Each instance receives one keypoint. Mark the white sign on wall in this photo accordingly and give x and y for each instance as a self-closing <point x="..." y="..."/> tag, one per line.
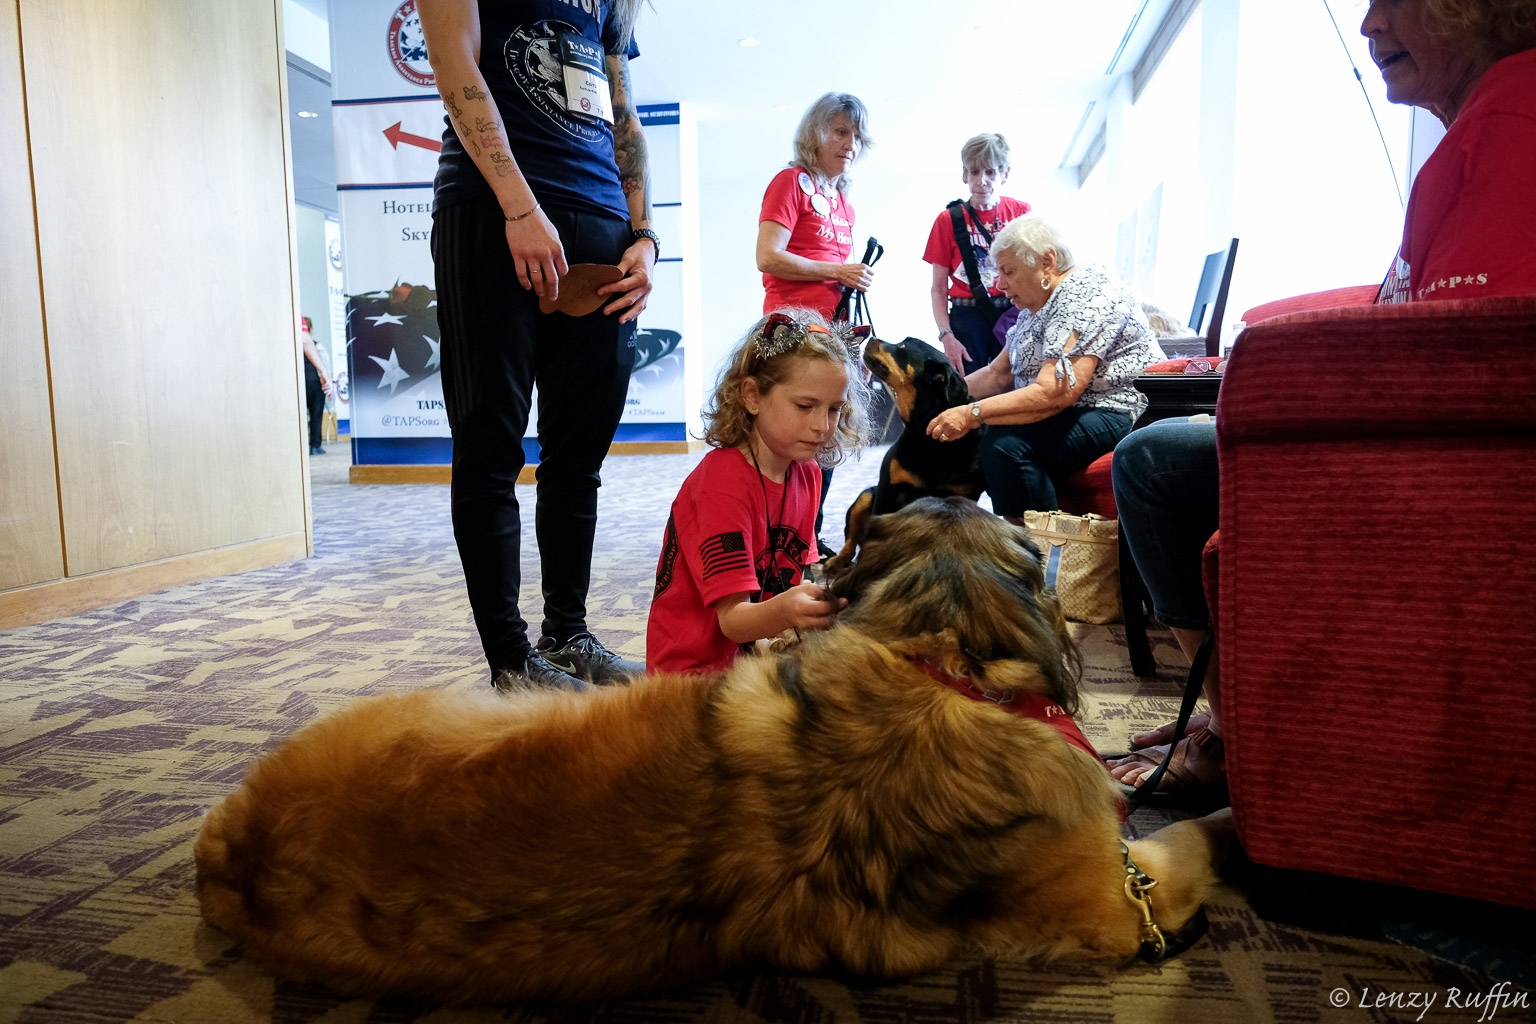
<point x="336" y="293"/>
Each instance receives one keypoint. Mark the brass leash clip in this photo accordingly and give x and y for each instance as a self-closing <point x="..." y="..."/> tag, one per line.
<point x="1151" y="934"/>
<point x="1154" y="946"/>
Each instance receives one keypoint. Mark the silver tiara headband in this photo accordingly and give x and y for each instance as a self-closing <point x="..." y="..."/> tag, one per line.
<point x="784" y="332"/>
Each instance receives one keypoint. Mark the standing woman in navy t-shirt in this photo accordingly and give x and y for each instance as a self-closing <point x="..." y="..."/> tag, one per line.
<point x="543" y="166"/>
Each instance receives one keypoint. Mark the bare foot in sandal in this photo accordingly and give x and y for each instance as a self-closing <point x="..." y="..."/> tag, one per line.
<point x="1198" y="763"/>
<point x="1164" y="733"/>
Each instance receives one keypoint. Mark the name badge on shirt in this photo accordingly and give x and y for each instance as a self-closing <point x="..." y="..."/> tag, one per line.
<point x="586" y="80"/>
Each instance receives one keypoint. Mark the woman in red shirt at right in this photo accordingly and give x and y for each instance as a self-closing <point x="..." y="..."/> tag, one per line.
<point x="1469" y="232"/>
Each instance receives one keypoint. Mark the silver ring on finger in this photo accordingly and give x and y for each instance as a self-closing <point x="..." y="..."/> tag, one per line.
<point x="943" y="437"/>
<point x="535" y="270"/>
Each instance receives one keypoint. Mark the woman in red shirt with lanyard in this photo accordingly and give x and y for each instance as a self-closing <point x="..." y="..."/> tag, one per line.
<point x="805" y="231"/>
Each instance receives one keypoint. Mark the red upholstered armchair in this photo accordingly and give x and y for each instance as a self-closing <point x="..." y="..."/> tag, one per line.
<point x="1375" y="593"/>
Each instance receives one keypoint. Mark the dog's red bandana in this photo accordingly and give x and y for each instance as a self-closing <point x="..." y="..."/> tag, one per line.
<point x="1028" y="705"/>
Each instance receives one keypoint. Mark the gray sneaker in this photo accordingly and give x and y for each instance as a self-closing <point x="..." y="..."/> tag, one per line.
<point x="582" y="656"/>
<point x="537" y="673"/>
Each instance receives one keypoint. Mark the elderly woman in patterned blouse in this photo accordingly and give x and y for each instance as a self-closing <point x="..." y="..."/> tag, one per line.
<point x="1060" y="395"/>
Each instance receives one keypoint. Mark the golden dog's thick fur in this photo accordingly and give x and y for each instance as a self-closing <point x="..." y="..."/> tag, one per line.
<point x="831" y="807"/>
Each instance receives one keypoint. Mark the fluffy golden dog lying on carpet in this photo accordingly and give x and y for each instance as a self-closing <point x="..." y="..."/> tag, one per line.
<point x="835" y="806"/>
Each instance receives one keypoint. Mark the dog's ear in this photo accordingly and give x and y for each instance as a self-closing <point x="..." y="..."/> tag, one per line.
<point x="937" y="375"/>
<point x="1031" y="573"/>
<point x="1028" y="544"/>
<point x="1031" y="570"/>
<point x="955" y="390"/>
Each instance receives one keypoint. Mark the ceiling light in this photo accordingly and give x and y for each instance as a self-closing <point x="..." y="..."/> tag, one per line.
<point x="308" y="113"/>
<point x="749" y="41"/>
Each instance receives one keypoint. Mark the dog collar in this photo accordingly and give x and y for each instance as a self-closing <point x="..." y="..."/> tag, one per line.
<point x="1157" y="945"/>
<point x="1026" y="705"/>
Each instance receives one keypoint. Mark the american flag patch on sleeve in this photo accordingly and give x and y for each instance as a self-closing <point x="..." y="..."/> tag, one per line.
<point x="724" y="552"/>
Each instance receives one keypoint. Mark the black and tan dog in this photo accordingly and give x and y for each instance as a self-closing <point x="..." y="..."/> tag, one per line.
<point x="922" y="385"/>
<point x="840" y="806"/>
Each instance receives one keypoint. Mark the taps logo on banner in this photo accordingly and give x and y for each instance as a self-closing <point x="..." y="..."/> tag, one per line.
<point x="408" y="47"/>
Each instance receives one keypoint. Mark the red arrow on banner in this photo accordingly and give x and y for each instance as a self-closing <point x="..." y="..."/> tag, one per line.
<point x="396" y="136"/>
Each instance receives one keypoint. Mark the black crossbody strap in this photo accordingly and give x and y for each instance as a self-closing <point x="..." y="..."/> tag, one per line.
<point x="986" y="236"/>
<point x="968" y="255"/>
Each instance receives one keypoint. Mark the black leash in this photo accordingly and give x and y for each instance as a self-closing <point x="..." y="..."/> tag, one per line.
<point x="1192" y="687"/>
<point x="851" y="306"/>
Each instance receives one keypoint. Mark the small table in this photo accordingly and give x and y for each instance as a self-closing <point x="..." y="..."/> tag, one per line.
<point x="1177" y="394"/>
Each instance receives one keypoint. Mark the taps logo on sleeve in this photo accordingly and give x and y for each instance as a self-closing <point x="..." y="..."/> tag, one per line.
<point x="408" y="47"/>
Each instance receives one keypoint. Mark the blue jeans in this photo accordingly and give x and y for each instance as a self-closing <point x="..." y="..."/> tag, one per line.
<point x="1166" y="491"/>
<point x="1023" y="461"/>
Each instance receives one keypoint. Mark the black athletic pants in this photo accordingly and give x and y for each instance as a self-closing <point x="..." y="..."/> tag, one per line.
<point x="496" y="346"/>
<point x="314" y="400"/>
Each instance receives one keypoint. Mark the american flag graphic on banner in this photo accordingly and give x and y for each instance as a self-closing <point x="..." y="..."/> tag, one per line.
<point x="393" y="338"/>
<point x="723" y="552"/>
<point x="395" y="355"/>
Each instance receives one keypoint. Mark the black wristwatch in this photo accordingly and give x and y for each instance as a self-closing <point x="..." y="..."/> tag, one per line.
<point x="639" y="233"/>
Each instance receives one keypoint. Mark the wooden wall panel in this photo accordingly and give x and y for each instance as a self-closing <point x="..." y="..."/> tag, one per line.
<point x="30" y="546"/>
<point x="161" y="176"/>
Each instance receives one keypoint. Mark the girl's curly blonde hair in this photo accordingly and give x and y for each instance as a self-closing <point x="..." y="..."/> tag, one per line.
<point x="767" y="355"/>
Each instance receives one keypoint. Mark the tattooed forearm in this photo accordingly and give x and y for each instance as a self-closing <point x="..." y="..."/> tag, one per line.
<point x="632" y="157"/>
<point x="472" y="112"/>
<point x="457" y="113"/>
<point x="490" y="136"/>
<point x="629" y="150"/>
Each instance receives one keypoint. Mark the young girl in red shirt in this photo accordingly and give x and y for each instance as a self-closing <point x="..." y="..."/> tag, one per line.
<point x="742" y="527"/>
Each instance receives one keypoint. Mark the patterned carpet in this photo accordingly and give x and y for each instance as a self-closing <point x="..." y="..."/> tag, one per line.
<point x="118" y="728"/>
